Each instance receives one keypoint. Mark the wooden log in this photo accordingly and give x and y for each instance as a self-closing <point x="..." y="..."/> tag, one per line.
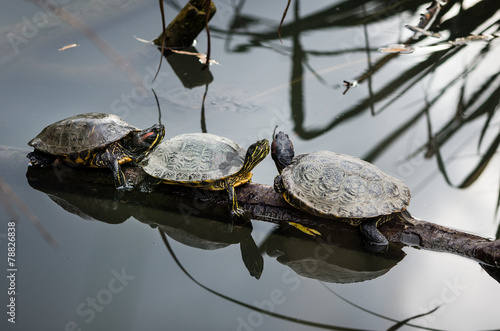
<point x="260" y="202"/>
<point x="186" y="26"/>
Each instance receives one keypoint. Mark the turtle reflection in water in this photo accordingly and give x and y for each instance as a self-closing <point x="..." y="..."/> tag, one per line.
<point x="339" y="186"/>
<point x="94" y="140"/>
<point x="206" y="161"/>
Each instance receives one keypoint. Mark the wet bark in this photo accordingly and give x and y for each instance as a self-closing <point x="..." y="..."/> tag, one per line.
<point x="186" y="26"/>
<point x="265" y="204"/>
<point x="262" y="203"/>
<point x="259" y="201"/>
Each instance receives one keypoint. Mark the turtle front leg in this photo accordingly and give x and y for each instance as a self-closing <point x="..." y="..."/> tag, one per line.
<point x="372" y="235"/>
<point x="278" y="185"/>
<point x="119" y="176"/>
<point x="42" y="159"/>
<point x="112" y="163"/>
<point x="233" y="202"/>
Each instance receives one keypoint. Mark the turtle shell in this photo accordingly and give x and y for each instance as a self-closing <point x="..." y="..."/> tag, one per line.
<point x="80" y="133"/>
<point x="195" y="157"/>
<point x="338" y="185"/>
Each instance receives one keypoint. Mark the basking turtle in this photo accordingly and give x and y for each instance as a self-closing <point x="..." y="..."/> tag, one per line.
<point x="206" y="161"/>
<point x="94" y="140"/>
<point x="339" y="186"/>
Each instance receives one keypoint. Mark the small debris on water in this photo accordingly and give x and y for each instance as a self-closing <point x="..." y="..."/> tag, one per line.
<point x="144" y="40"/>
<point x="428" y="18"/>
<point x="471" y="38"/>
<point x="349" y="85"/>
<point x="201" y="56"/>
<point x="422" y="31"/>
<point x="397" y="48"/>
<point x="68" y="47"/>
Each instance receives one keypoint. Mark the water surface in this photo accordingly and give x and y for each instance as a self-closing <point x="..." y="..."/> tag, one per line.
<point x="429" y="118"/>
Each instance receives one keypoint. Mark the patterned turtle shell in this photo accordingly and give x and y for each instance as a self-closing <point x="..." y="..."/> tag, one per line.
<point x="337" y="185"/>
<point x="80" y="133"/>
<point x="195" y="157"/>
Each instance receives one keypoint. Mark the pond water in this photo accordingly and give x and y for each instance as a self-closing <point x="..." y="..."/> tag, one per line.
<point x="429" y="118"/>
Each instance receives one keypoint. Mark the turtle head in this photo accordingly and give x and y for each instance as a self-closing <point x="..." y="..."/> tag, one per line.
<point x="255" y="154"/>
<point x="144" y="141"/>
<point x="282" y="150"/>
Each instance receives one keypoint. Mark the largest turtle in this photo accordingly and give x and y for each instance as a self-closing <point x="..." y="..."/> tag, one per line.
<point x="206" y="161"/>
<point x="339" y="186"/>
<point x="95" y="140"/>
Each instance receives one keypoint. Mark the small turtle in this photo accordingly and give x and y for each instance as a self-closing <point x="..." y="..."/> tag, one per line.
<point x="94" y="140"/>
<point x="206" y="161"/>
<point x="339" y="186"/>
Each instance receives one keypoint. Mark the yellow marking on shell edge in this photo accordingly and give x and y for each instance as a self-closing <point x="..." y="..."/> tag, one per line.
<point x="240" y="180"/>
<point x="216" y="185"/>
<point x="68" y="159"/>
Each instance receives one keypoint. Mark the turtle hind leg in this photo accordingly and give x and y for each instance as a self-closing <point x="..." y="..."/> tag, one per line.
<point x="149" y="184"/>
<point x="42" y="159"/>
<point x="372" y="236"/>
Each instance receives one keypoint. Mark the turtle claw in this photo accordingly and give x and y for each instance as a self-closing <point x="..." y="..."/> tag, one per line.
<point x="41" y="159"/>
<point x="237" y="212"/>
<point x="371" y="234"/>
<point x="126" y="187"/>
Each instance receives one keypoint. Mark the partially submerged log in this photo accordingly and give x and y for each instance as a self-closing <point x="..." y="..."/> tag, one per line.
<point x="186" y="26"/>
<point x="260" y="203"/>
<point x="180" y="34"/>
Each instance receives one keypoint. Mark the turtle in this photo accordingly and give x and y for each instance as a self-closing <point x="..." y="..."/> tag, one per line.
<point x="339" y="186"/>
<point x="205" y="161"/>
<point x="95" y="140"/>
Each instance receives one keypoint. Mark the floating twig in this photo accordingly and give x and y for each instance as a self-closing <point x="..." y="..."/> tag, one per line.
<point x="68" y="47"/>
<point x="471" y="38"/>
<point x="201" y="56"/>
<point x="422" y="31"/>
<point x="397" y="48"/>
<point x="427" y="18"/>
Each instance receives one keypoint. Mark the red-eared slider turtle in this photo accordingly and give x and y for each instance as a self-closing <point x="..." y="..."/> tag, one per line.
<point x="94" y="140"/>
<point x="339" y="186"/>
<point x="206" y="161"/>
